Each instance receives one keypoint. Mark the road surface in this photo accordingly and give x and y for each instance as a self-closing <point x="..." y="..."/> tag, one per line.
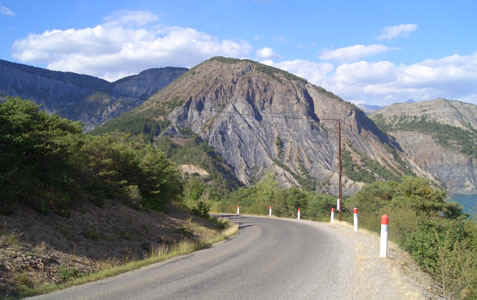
<point x="268" y="259"/>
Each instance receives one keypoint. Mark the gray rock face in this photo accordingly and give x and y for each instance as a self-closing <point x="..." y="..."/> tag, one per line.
<point x="80" y="97"/>
<point x="261" y="119"/>
<point x="454" y="169"/>
<point x="450" y="112"/>
<point x="145" y="84"/>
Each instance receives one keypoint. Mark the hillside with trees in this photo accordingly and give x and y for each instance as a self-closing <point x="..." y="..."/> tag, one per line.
<point x="76" y="207"/>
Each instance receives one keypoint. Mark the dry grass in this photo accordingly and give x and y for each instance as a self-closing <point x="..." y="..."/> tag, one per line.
<point x="111" y="268"/>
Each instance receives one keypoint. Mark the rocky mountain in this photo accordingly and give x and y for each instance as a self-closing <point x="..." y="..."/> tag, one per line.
<point x="261" y="119"/>
<point x="368" y="108"/>
<point x="440" y="136"/>
<point x="81" y="97"/>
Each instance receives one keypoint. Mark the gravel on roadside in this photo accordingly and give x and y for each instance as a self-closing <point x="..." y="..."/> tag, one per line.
<point x="394" y="277"/>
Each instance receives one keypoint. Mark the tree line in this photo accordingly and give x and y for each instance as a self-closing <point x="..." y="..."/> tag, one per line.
<point x="49" y="164"/>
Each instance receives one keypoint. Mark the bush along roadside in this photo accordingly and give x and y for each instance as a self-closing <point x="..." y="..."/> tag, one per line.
<point x="68" y="198"/>
<point x="440" y="238"/>
<point x="256" y="199"/>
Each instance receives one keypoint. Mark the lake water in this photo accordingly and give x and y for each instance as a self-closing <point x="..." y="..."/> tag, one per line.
<point x="469" y="202"/>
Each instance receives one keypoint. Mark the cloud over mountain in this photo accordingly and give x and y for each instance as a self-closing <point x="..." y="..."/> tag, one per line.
<point x="126" y="43"/>
<point x="384" y="82"/>
<point x="353" y="52"/>
<point x="265" y="53"/>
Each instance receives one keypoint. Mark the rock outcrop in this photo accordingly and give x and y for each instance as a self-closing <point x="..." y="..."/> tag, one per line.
<point x="439" y="136"/>
<point x="261" y="119"/>
<point x="81" y="97"/>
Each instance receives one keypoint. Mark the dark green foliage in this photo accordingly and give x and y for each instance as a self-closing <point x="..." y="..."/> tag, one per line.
<point x="67" y="273"/>
<point x="280" y="145"/>
<point x="434" y="232"/>
<point x="304" y="179"/>
<point x="47" y="163"/>
<point x="367" y="171"/>
<point x="197" y="152"/>
<point x="201" y="209"/>
<point x="33" y="156"/>
<point x="133" y="123"/>
<point x="445" y="135"/>
<point x="285" y="201"/>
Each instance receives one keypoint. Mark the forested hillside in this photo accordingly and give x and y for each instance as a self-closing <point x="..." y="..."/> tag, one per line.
<point x="49" y="164"/>
<point x="76" y="208"/>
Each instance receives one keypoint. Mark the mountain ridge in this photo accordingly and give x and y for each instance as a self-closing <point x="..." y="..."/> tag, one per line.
<point x="247" y="112"/>
<point x="80" y="97"/>
<point x="440" y="136"/>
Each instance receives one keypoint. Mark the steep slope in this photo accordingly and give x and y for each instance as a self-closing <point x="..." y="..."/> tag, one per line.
<point x="440" y="136"/>
<point x="81" y="97"/>
<point x="262" y="119"/>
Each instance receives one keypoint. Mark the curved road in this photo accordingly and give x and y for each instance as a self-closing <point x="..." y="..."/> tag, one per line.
<point x="268" y="259"/>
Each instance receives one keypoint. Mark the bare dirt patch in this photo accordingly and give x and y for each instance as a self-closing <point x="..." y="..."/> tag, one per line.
<point x="37" y="249"/>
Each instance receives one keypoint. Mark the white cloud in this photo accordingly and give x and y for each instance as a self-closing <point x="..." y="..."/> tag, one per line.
<point x="353" y="52"/>
<point x="123" y="46"/>
<point x="265" y="53"/>
<point x="6" y="11"/>
<point x="127" y="17"/>
<point x="391" y="32"/>
<point x="312" y="71"/>
<point x="384" y="82"/>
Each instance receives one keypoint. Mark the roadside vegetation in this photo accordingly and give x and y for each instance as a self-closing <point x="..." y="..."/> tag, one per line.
<point x="76" y="207"/>
<point x="256" y="199"/>
<point x="48" y="165"/>
<point x="440" y="238"/>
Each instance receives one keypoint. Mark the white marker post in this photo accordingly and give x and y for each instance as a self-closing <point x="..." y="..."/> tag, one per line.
<point x="238" y="210"/>
<point x="332" y="216"/>
<point x="298" y="217"/>
<point x="270" y="211"/>
<point x="355" y="219"/>
<point x="338" y="204"/>
<point x="383" y="249"/>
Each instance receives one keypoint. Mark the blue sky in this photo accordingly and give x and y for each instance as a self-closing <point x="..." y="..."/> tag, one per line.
<point x="374" y="52"/>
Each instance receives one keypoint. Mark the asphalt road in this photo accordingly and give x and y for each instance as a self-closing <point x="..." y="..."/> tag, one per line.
<point x="268" y="259"/>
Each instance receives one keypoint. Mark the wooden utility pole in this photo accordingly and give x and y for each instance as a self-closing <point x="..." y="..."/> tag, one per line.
<point x="340" y="166"/>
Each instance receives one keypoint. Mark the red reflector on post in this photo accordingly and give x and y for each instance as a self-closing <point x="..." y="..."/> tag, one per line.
<point x="355" y="210"/>
<point x="385" y="220"/>
<point x="332" y="209"/>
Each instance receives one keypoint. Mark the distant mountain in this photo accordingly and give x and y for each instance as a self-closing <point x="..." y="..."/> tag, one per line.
<point x="261" y="119"/>
<point x="368" y="108"/>
<point x="440" y="136"/>
<point x="81" y="97"/>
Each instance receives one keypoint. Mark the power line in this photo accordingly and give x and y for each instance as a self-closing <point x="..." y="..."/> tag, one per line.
<point x="298" y="117"/>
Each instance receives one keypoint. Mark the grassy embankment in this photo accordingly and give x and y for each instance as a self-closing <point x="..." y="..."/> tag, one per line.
<point x="49" y="166"/>
<point x="112" y="268"/>
<point x="437" y="235"/>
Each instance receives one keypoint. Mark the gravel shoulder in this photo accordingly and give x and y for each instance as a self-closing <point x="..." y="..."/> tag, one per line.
<point x="394" y="277"/>
<point x="270" y="259"/>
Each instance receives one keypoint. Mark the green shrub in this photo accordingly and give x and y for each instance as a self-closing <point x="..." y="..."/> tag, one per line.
<point x="67" y="273"/>
<point x="435" y="233"/>
<point x="47" y="163"/>
<point x="201" y="209"/>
